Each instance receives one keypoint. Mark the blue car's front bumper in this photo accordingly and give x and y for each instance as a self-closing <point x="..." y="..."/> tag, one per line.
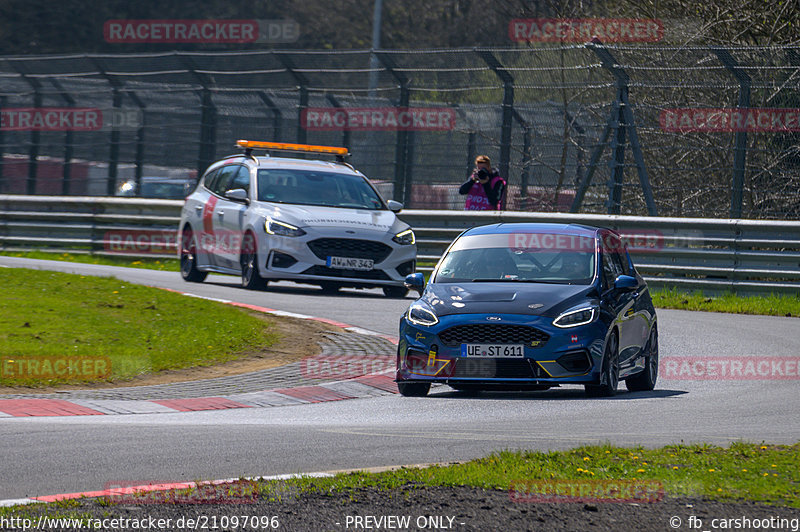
<point x="558" y="356"/>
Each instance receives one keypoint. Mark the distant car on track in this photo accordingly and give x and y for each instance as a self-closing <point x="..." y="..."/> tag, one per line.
<point x="530" y="306"/>
<point x="157" y="187"/>
<point x="309" y="221"/>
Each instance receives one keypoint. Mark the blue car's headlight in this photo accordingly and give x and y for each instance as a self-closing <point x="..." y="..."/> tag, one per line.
<point x="275" y="227"/>
<point x="421" y="314"/>
<point x="576" y="317"/>
<point x="405" y="238"/>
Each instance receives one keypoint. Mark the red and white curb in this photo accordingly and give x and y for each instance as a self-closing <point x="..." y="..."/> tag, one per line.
<point x="265" y="310"/>
<point x="147" y="488"/>
<point x="359" y="387"/>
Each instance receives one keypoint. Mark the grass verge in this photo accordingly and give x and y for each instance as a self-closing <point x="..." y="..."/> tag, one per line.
<point x="137" y="329"/>
<point x="172" y="265"/>
<point x="771" y="305"/>
<point x="762" y="473"/>
<point x="757" y="472"/>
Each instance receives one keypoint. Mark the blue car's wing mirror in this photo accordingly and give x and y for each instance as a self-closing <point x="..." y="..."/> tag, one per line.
<point x="415" y="281"/>
<point x="626" y="283"/>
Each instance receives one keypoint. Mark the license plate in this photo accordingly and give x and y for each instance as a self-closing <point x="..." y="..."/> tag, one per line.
<point x="493" y="351"/>
<point x="348" y="263"/>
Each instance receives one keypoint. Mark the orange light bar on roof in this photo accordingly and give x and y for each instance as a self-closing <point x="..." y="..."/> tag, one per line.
<point x="282" y="146"/>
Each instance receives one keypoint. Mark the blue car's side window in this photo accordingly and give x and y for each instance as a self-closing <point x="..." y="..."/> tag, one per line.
<point x="610" y="271"/>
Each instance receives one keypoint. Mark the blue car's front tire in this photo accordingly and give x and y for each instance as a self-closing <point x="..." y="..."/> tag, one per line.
<point x="646" y="380"/>
<point x="609" y="376"/>
<point x="413" y="389"/>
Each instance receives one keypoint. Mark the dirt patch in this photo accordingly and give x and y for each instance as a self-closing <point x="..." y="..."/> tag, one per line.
<point x="443" y="508"/>
<point x="299" y="338"/>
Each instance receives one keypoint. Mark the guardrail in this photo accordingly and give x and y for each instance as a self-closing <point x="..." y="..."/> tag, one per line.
<point x="130" y="227"/>
<point x="745" y="256"/>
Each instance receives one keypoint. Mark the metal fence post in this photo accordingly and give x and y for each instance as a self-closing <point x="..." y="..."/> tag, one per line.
<point x="526" y="164"/>
<point x="33" y="152"/>
<point x="617" y="165"/>
<point x="302" y="82"/>
<point x="68" y="141"/>
<point x="207" y="149"/>
<point x="472" y="141"/>
<point x="583" y="186"/>
<point x="345" y="132"/>
<point x="277" y="118"/>
<point x="402" y="170"/>
<point x="140" y="150"/>
<point x="620" y="120"/>
<point x="116" y="99"/>
<point x="113" y="157"/>
<point x="2" y="146"/>
<point x="508" y="114"/>
<point x="208" y="131"/>
<point x="526" y="159"/>
<point x="33" y="149"/>
<point x="740" y="153"/>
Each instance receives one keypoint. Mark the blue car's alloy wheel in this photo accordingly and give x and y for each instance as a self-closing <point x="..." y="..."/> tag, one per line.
<point x="646" y="380"/>
<point x="609" y="378"/>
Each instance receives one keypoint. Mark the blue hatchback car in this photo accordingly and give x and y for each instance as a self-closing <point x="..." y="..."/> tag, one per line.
<point x="530" y="306"/>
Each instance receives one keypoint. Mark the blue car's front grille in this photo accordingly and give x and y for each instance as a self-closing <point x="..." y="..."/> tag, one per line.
<point x="496" y="368"/>
<point x="487" y="333"/>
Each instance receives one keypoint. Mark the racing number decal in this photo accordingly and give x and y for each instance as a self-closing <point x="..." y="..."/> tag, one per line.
<point x="208" y="215"/>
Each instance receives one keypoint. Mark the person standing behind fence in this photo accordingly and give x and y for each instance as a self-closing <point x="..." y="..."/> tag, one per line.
<point x="484" y="188"/>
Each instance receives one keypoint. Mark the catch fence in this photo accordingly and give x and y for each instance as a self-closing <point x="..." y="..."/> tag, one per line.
<point x="684" y="131"/>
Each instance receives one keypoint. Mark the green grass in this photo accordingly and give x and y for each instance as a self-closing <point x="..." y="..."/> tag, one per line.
<point x="172" y="265"/>
<point x="762" y="473"/>
<point x="140" y="329"/>
<point x="771" y="305"/>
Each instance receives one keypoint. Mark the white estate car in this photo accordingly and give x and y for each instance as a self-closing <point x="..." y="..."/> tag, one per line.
<point x="309" y="221"/>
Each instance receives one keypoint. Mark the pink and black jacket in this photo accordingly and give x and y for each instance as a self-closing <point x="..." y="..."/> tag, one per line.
<point x="484" y="197"/>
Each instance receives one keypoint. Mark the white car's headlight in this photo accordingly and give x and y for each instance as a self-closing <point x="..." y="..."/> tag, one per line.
<point x="405" y="238"/>
<point x="421" y="314"/>
<point x="576" y="317"/>
<point x="275" y="227"/>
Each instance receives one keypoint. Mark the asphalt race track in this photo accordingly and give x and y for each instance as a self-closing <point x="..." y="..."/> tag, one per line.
<point x="49" y="455"/>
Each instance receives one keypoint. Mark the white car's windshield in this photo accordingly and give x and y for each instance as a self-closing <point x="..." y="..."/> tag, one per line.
<point x="308" y="187"/>
<point x="529" y="257"/>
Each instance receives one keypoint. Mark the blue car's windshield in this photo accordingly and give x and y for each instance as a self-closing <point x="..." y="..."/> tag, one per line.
<point x="523" y="257"/>
<point x="308" y="187"/>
